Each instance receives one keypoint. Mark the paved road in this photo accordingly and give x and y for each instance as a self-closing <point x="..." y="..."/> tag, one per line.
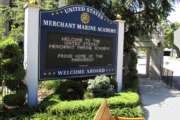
<point x="160" y="102"/>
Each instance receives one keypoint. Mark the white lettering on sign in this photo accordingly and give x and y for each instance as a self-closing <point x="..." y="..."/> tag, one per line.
<point x="70" y="72"/>
<point x="92" y="11"/>
<point x="74" y="9"/>
<point x="52" y="23"/>
<point x="86" y="27"/>
<point x="81" y="71"/>
<point x="108" y="30"/>
<point x="101" y="70"/>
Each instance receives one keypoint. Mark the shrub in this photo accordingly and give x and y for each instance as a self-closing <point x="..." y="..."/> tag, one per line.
<point x="70" y="90"/>
<point x="128" y="112"/>
<point x="75" y="116"/>
<point x="49" y="101"/>
<point x="113" y="82"/>
<point x="50" y="84"/>
<point x="45" y="116"/>
<point x="58" y="107"/>
<point x="10" y="100"/>
<point x="122" y="104"/>
<point x="11" y="62"/>
<point x="100" y="86"/>
<point x="17" y="99"/>
<point x="124" y="112"/>
<point x="88" y="95"/>
<point x="21" y="93"/>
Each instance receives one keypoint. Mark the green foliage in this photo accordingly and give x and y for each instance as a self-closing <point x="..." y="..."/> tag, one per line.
<point x="113" y="82"/>
<point x="11" y="54"/>
<point x="88" y="95"/>
<point x="14" y="15"/>
<point x="44" y="116"/>
<point x="11" y="60"/>
<point x="19" y="96"/>
<point x="100" y="86"/>
<point x="49" y="4"/>
<point x="169" y="34"/>
<point x="128" y="112"/>
<point x="141" y="16"/>
<point x="50" y="84"/>
<point x="122" y="104"/>
<point x="70" y="90"/>
<point x="75" y="116"/>
<point x="2" y="30"/>
<point x="169" y="37"/>
<point x="63" y="108"/>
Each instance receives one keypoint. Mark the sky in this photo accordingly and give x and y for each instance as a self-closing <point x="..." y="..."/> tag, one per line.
<point x="175" y="15"/>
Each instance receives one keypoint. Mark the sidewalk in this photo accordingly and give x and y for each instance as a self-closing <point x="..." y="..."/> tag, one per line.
<point x="160" y="102"/>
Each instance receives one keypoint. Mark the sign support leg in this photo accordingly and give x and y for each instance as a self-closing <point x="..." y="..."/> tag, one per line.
<point x="31" y="53"/>
<point x="120" y="48"/>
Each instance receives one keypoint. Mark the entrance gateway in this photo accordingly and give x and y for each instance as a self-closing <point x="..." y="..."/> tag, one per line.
<point x="70" y="42"/>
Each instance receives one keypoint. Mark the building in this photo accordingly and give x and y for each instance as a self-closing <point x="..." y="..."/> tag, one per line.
<point x="154" y="52"/>
<point x="177" y="38"/>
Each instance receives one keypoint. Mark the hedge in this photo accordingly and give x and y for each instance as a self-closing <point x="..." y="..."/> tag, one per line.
<point x="128" y="112"/>
<point x="52" y="108"/>
<point x="121" y="100"/>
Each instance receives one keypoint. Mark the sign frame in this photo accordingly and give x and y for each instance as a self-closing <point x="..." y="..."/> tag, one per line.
<point x="101" y="19"/>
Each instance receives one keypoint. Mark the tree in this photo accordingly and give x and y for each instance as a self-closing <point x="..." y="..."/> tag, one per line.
<point x="141" y="18"/>
<point x="169" y="36"/>
<point x="14" y="16"/>
<point x="11" y="52"/>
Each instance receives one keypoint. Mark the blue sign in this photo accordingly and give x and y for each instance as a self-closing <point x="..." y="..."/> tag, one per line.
<point x="76" y="41"/>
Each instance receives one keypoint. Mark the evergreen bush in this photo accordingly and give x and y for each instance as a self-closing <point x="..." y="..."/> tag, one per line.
<point x="70" y="90"/>
<point x="100" y="86"/>
<point x="121" y="104"/>
<point x="50" y="84"/>
<point x="11" y="63"/>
